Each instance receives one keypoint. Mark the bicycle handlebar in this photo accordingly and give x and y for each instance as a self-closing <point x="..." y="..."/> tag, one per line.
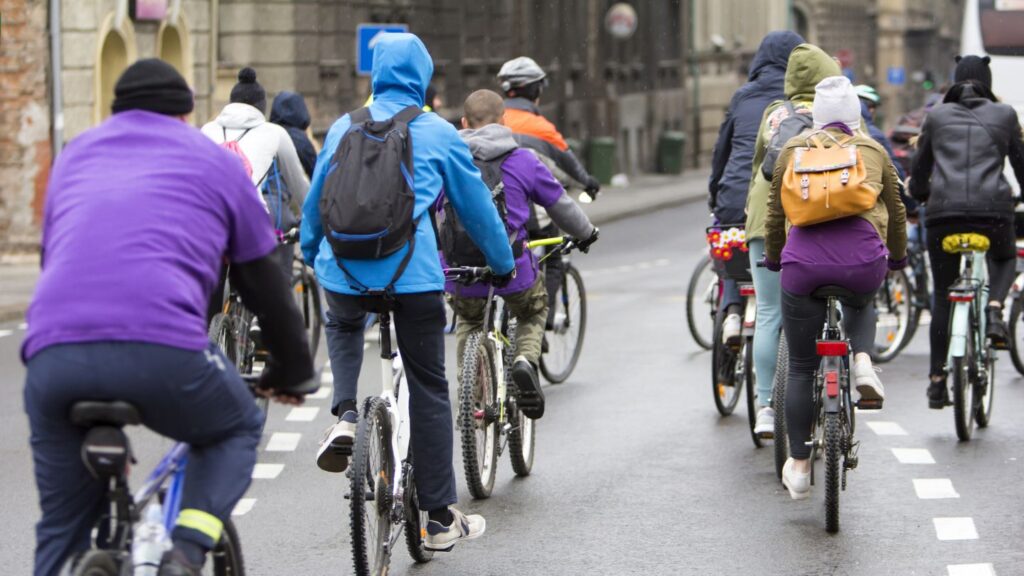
<point x="467" y="275"/>
<point x="289" y="237"/>
<point x="555" y="241"/>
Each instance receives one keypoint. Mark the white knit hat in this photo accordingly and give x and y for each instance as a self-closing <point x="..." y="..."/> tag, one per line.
<point x="835" y="100"/>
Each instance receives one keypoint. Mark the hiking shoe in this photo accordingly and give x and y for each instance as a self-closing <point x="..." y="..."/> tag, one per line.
<point x="764" y="425"/>
<point x="441" y="538"/>
<point x="530" y="397"/>
<point x="938" y="395"/>
<point x="798" y="484"/>
<point x="174" y="563"/>
<point x="336" y="445"/>
<point x="731" y="329"/>
<point x="865" y="377"/>
<point x="996" y="330"/>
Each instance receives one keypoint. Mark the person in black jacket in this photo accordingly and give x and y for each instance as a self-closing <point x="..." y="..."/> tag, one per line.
<point x="289" y="111"/>
<point x="958" y="173"/>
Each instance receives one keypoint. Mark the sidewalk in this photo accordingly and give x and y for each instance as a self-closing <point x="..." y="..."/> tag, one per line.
<point x="644" y="194"/>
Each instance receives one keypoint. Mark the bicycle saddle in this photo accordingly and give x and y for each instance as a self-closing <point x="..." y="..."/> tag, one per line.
<point x="967" y="242"/>
<point x="826" y="292"/>
<point x="92" y="413"/>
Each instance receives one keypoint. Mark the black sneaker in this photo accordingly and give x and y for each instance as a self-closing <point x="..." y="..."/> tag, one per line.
<point x="174" y="563"/>
<point x="938" y="395"/>
<point x="530" y="397"/>
<point x="996" y="331"/>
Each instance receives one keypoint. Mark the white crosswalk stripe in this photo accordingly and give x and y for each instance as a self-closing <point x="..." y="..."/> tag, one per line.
<point x="303" y="414"/>
<point x="955" y="529"/>
<point x="913" y="456"/>
<point x="971" y="570"/>
<point x="283" y="442"/>
<point x="887" y="429"/>
<point x="243" y="507"/>
<point x="934" y="488"/>
<point x="267" y="471"/>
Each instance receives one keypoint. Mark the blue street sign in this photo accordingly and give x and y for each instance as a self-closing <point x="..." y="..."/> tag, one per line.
<point x="849" y="73"/>
<point x="366" y="39"/>
<point x="897" y="75"/>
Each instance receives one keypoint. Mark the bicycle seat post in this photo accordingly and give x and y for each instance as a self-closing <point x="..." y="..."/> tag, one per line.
<point x="384" y="320"/>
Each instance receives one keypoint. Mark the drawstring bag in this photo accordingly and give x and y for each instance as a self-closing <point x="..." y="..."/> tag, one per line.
<point x="824" y="183"/>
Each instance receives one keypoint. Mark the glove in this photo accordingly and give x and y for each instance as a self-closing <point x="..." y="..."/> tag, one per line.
<point x="898" y="264"/>
<point x="592" y="186"/>
<point x="502" y="280"/>
<point x="770" y="264"/>
<point x="584" y="245"/>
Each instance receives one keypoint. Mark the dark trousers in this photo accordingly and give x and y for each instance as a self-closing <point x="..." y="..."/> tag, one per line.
<point x="193" y="397"/>
<point x="803" y="318"/>
<point x="1001" y="261"/>
<point x="419" y="321"/>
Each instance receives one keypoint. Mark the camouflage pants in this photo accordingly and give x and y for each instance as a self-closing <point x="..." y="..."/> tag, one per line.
<point x="529" y="308"/>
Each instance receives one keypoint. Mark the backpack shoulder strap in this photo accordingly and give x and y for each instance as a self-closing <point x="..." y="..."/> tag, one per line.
<point x="408" y="114"/>
<point x="359" y="116"/>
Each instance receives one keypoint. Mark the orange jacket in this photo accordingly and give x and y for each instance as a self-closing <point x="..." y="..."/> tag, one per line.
<point x="526" y="122"/>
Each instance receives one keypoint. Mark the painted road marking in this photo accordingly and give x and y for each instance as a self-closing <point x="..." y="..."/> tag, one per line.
<point x="934" y="488"/>
<point x="5" y="333"/>
<point x="303" y="414"/>
<point x="913" y="455"/>
<point x="662" y="262"/>
<point x="327" y="377"/>
<point x="243" y="507"/>
<point x="23" y="326"/>
<point x="267" y="471"/>
<point x="971" y="570"/>
<point x="955" y="529"/>
<point x="283" y="442"/>
<point x="887" y="429"/>
<point x="322" y="393"/>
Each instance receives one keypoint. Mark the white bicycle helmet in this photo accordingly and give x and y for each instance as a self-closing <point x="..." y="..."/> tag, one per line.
<point x="519" y="72"/>
<point x="868" y="93"/>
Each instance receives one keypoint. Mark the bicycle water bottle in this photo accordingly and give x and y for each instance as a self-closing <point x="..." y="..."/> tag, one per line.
<point x="150" y="542"/>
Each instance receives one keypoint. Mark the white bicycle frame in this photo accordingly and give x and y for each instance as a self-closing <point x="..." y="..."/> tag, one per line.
<point x="959" y="327"/>
<point x="393" y="383"/>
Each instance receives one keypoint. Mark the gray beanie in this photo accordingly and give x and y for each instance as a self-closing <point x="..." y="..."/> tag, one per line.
<point x="835" y="100"/>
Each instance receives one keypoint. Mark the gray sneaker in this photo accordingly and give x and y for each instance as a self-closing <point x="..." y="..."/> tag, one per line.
<point x="336" y="445"/>
<point x="441" y="538"/>
<point x="764" y="425"/>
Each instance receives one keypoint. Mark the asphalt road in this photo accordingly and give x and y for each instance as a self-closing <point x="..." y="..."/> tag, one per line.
<point x="635" y="471"/>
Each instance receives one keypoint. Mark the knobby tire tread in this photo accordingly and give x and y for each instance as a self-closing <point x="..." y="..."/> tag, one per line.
<point x="374" y="411"/>
<point x="475" y="352"/>
<point x="833" y="465"/>
<point x="781" y="441"/>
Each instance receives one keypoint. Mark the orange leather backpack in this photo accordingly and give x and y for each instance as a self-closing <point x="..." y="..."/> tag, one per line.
<point x="824" y="183"/>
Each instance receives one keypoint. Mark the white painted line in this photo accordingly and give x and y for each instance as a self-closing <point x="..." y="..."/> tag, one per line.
<point x="644" y="266"/>
<point x="955" y="529"/>
<point x="283" y="442"/>
<point x="971" y="570"/>
<point x="23" y="326"/>
<point x="267" y="471"/>
<point x="913" y="455"/>
<point x="625" y="268"/>
<point x="887" y="429"/>
<point x="322" y="393"/>
<point x="327" y="364"/>
<point x="662" y="262"/>
<point x="366" y="345"/>
<point x="243" y="507"/>
<point x="4" y="333"/>
<point x="327" y="377"/>
<point x="934" y="488"/>
<point x="303" y="414"/>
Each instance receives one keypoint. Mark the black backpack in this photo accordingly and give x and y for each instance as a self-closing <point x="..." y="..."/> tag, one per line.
<point x="456" y="245"/>
<point x="792" y="125"/>
<point x="366" y="207"/>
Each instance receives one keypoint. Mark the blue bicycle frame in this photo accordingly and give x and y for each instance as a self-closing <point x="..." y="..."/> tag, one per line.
<point x="172" y="466"/>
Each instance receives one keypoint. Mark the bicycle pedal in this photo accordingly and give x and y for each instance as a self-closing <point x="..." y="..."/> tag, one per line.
<point x="868" y="405"/>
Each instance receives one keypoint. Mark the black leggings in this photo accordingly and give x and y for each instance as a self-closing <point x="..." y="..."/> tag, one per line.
<point x="802" y="319"/>
<point x="1001" y="260"/>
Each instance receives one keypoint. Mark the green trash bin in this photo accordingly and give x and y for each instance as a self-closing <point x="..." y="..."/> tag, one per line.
<point x="601" y="159"/>
<point x="670" y="152"/>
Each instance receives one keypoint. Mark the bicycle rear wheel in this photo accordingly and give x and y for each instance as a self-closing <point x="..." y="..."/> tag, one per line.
<point x="701" y="303"/>
<point x="833" y="463"/>
<point x="781" y="440"/>
<point x="371" y="473"/>
<point x="565" y="339"/>
<point x="1016" y="336"/>
<point x="726" y="374"/>
<point x="306" y="290"/>
<point x="223" y="333"/>
<point x="478" y="416"/>
<point x="750" y="382"/>
<point x="522" y="435"/>
<point x="91" y="563"/>
<point x="226" y="558"/>
<point x="896" y="316"/>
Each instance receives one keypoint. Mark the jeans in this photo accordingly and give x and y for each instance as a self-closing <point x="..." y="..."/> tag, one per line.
<point x="419" y="321"/>
<point x="190" y="396"/>
<point x="529" y="307"/>
<point x="768" y="322"/>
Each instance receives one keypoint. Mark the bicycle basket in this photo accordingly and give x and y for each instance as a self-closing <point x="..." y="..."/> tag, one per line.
<point x="728" y="249"/>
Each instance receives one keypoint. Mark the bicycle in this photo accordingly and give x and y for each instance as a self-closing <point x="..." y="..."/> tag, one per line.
<point x="107" y="454"/>
<point x="489" y="417"/>
<point x="971" y="358"/>
<point x="900" y="302"/>
<point x="780" y="436"/>
<point x="1016" y="308"/>
<point x="383" y="499"/>
<point x="702" y="297"/>
<point x="567" y="318"/>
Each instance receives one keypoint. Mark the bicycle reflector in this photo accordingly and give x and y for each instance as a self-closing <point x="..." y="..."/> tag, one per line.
<point x="833" y="348"/>
<point x="961" y="296"/>
<point x="1020" y="252"/>
<point x="832" y="383"/>
<point x="746" y="289"/>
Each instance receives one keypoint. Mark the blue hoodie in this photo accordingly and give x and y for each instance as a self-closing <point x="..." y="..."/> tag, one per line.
<point x="731" y="162"/>
<point x="402" y="69"/>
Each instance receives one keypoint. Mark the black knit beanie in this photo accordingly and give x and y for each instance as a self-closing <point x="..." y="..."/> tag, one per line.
<point x="248" y="90"/>
<point x="973" y="68"/>
<point x="154" y="85"/>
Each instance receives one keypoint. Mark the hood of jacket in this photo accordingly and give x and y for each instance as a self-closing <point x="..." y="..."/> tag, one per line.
<point x="402" y="69"/>
<point x="865" y="113"/>
<point x="489" y="142"/>
<point x="240" y="116"/>
<point x="289" y="109"/>
<point x="773" y="53"/>
<point x="807" y="66"/>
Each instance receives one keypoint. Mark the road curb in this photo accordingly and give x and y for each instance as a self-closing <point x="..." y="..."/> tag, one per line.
<point x="601" y="220"/>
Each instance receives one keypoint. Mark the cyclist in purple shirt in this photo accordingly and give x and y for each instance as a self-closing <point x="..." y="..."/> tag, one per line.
<point x="525" y="180"/>
<point x="140" y="213"/>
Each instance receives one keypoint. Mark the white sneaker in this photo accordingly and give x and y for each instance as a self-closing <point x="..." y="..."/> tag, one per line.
<point x="764" y="425"/>
<point x="798" y="484"/>
<point x="336" y="447"/>
<point x="731" y="328"/>
<point x="865" y="377"/>
<point x="441" y="538"/>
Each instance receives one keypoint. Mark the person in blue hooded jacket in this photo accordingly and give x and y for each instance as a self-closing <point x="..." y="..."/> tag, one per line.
<point x="733" y="156"/>
<point x="289" y="112"/>
<point x="402" y="69"/>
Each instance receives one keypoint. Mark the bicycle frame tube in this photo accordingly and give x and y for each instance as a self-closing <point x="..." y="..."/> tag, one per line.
<point x="172" y="464"/>
<point x="392" y="374"/>
<point x="972" y="266"/>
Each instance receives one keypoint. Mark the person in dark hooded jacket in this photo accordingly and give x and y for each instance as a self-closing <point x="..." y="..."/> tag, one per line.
<point x="289" y="111"/>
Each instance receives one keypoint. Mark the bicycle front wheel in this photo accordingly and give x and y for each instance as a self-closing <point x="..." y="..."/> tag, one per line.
<point x="1016" y="336"/>
<point x="371" y="472"/>
<point x="415" y="520"/>
<point x="226" y="557"/>
<point x="701" y="303"/>
<point x="896" y="316"/>
<point x="478" y="406"/>
<point x="565" y="338"/>
<point x="781" y="441"/>
<point x="833" y="463"/>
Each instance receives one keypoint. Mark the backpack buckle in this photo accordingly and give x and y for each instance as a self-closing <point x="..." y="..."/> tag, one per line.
<point x="805" y="187"/>
<point x="844" y="177"/>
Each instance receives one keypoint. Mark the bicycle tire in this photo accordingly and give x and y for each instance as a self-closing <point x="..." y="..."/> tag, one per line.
<point x="522" y="437"/>
<point x="701" y="339"/>
<point x="781" y="440"/>
<point x="1016" y="336"/>
<point x="478" y="426"/>
<point x="984" y="392"/>
<point x="898" y="287"/>
<point x="370" y="495"/>
<point x="750" y="382"/>
<point x="833" y="463"/>
<point x="723" y="364"/>
<point x="222" y="333"/>
<point x="307" y="295"/>
<point x="572" y="282"/>
<point x="91" y="563"/>
<point x="226" y="557"/>
<point x="964" y="404"/>
<point x="415" y="519"/>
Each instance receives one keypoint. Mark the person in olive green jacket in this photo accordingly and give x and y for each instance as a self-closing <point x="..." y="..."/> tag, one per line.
<point x="807" y="66"/>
